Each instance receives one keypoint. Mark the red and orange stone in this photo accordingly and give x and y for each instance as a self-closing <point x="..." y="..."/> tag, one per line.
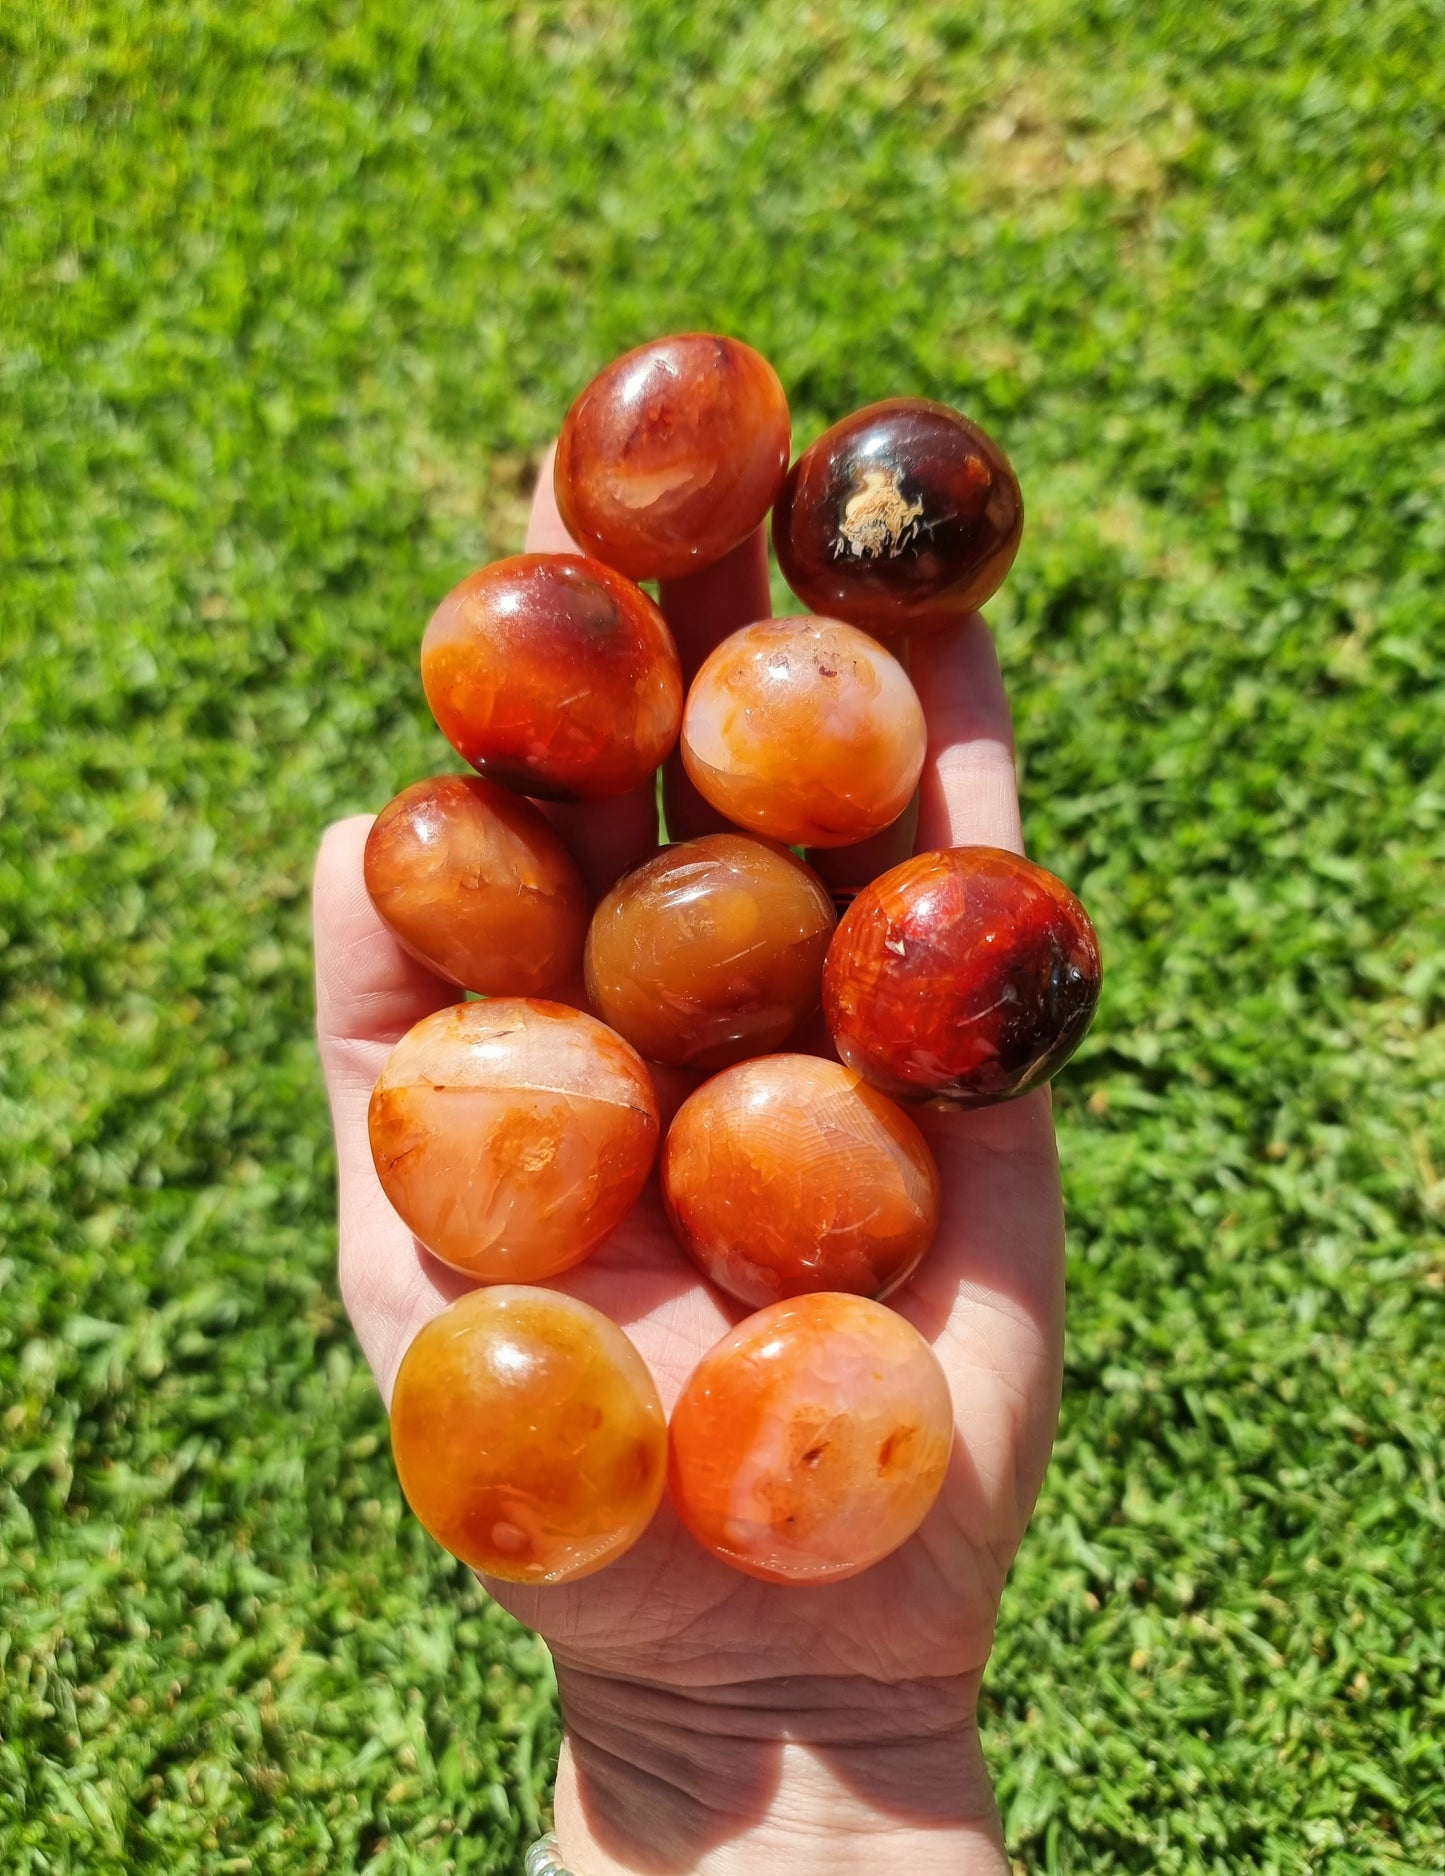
<point x="513" y="1135"/>
<point x="812" y="1440"/>
<point x="804" y="730"/>
<point x="711" y="951"/>
<point x="969" y="975"/>
<point x="474" y="883"/>
<point x="790" y="1174"/>
<point x="528" y="1435"/>
<point x="554" y="675"/>
<point x="900" y="519"/>
<point x="673" y="455"/>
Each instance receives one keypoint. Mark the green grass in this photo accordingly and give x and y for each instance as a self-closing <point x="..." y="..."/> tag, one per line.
<point x="291" y="294"/>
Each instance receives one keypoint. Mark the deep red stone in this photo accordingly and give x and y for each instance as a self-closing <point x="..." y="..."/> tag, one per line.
<point x="900" y="519"/>
<point x="554" y="675"/>
<point x="970" y="975"/>
<point x="673" y="455"/>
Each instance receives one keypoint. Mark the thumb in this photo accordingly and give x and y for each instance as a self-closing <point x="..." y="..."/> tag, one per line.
<point x="369" y="992"/>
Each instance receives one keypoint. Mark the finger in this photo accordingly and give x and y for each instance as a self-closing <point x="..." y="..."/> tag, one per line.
<point x="685" y="813"/>
<point x="546" y="530"/>
<point x="996" y="1279"/>
<point x="604" y="837"/>
<point x="991" y="1293"/>
<point x="702" y="609"/>
<point x="968" y="794"/>
<point x="607" y="837"/>
<point x="846" y="870"/>
<point x="369" y="992"/>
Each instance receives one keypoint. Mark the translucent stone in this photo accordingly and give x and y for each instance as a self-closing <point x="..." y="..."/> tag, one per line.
<point x="900" y="519"/>
<point x="673" y="455"/>
<point x="711" y="951"/>
<point x="554" y="675"/>
<point x="811" y="1441"/>
<point x="805" y="730"/>
<point x="474" y="883"/>
<point x="528" y="1435"/>
<point x="513" y="1135"/>
<point x="970" y="975"/>
<point x="790" y="1174"/>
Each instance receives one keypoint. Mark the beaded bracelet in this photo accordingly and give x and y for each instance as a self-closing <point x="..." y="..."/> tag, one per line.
<point x="542" y="1858"/>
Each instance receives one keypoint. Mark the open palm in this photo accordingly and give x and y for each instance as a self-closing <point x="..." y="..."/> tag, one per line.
<point x="988" y="1296"/>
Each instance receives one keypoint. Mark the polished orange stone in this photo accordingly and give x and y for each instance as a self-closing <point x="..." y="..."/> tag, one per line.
<point x="709" y="952"/>
<point x="790" y="1174"/>
<point x="554" y="675"/>
<point x="805" y="730"/>
<point x="812" y="1440"/>
<point x="673" y="455"/>
<point x="900" y="519"/>
<point x="512" y="1135"/>
<point x="474" y="883"/>
<point x="968" y="975"/>
<point x="528" y="1435"/>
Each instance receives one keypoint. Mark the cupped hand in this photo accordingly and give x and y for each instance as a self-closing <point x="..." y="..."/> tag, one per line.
<point x="711" y="1718"/>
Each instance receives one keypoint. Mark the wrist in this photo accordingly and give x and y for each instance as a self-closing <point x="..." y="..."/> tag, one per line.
<point x="813" y="1775"/>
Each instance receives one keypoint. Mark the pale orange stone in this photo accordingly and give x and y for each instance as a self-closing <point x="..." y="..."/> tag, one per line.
<point x="812" y="1440"/>
<point x="528" y="1435"/>
<point x="805" y="730"/>
<point x="513" y="1135"/>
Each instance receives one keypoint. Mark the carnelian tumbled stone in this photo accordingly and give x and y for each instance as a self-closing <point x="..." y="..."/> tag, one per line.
<point x="673" y="455"/>
<point x="554" y="675"/>
<point x="970" y="975"/>
<point x="790" y="1174"/>
<point x="901" y="518"/>
<point x="512" y="1135"/>
<point x="473" y="882"/>
<point x="811" y="1440"/>
<point x="710" y="951"/>
<point x="528" y="1435"/>
<point x="806" y="730"/>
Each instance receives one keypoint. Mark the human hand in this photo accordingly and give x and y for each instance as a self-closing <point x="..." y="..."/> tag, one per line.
<point x="713" y="1722"/>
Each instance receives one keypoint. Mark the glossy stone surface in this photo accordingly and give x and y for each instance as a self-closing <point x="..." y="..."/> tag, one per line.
<point x="805" y="730"/>
<point x="673" y="454"/>
<point x="528" y="1435"/>
<point x="811" y="1440"/>
<point x="900" y="519"/>
<point x="790" y="1174"/>
<point x="554" y="675"/>
<point x="709" y="952"/>
<point x="970" y="975"/>
<point x="513" y="1135"/>
<point x="474" y="883"/>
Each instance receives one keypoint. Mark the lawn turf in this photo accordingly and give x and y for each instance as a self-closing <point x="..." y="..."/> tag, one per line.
<point x="291" y="296"/>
